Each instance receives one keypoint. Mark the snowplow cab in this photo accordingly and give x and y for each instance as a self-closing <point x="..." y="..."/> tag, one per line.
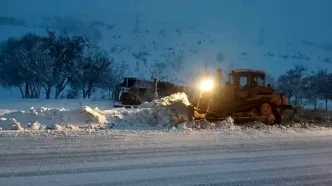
<point x="245" y="96"/>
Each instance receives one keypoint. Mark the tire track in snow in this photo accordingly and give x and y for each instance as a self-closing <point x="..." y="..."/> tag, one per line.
<point x="219" y="178"/>
<point x="131" y="146"/>
<point x="164" y="165"/>
<point x="110" y="155"/>
<point x="264" y="163"/>
<point x="109" y="140"/>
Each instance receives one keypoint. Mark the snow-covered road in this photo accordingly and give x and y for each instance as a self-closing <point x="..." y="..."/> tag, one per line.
<point x="173" y="158"/>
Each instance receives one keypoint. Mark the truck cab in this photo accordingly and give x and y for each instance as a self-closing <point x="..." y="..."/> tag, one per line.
<point x="247" y="78"/>
<point x="249" y="83"/>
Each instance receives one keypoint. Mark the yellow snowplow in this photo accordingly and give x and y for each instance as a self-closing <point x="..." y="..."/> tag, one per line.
<point x="244" y="97"/>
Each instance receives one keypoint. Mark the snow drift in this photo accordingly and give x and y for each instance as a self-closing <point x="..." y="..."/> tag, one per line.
<point x="164" y="112"/>
<point x="47" y="118"/>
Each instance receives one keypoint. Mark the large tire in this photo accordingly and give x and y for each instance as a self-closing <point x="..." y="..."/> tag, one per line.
<point x="269" y="116"/>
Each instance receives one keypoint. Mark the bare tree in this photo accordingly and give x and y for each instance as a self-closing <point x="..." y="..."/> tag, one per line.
<point x="115" y="75"/>
<point x="21" y="64"/>
<point x="311" y="89"/>
<point x="291" y="83"/>
<point x="66" y="52"/>
<point x="324" y="83"/>
<point x="91" y="71"/>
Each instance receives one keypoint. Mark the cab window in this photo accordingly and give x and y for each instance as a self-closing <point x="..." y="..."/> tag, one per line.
<point x="243" y="81"/>
<point x="231" y="79"/>
<point x="258" y="81"/>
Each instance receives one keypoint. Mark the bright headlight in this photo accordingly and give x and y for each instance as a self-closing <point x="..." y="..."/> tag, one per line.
<point x="206" y="85"/>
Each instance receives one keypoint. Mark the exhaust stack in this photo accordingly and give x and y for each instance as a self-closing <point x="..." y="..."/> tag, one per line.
<point x="218" y="77"/>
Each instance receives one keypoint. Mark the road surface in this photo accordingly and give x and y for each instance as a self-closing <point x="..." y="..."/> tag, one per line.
<point x="206" y="158"/>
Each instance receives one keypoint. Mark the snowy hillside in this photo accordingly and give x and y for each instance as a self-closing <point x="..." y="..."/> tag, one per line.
<point x="179" y="43"/>
<point x="246" y="34"/>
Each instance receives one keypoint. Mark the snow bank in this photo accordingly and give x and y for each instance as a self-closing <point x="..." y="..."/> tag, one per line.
<point x="162" y="114"/>
<point x="165" y="112"/>
<point x="51" y="118"/>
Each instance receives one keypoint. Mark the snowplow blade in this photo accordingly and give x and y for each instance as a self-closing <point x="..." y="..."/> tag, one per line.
<point x="197" y="114"/>
<point x="194" y="113"/>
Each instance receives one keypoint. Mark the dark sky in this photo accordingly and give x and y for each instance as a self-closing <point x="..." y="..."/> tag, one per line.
<point x="251" y="27"/>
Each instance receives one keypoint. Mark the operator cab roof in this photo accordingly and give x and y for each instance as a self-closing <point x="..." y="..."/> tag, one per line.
<point x="247" y="70"/>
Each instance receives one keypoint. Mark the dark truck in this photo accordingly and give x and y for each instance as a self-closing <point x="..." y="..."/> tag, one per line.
<point x="133" y="91"/>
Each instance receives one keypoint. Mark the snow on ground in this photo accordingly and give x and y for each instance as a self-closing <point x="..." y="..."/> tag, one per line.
<point x="152" y="145"/>
<point x="229" y="156"/>
<point x="216" y="157"/>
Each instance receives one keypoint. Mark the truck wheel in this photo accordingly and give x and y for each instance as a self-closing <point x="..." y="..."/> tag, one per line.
<point x="268" y="116"/>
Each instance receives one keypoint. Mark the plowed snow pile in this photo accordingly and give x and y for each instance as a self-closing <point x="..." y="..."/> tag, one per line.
<point x="165" y="112"/>
<point x="46" y="118"/>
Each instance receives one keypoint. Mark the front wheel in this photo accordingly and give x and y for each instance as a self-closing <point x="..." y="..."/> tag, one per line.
<point x="269" y="114"/>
